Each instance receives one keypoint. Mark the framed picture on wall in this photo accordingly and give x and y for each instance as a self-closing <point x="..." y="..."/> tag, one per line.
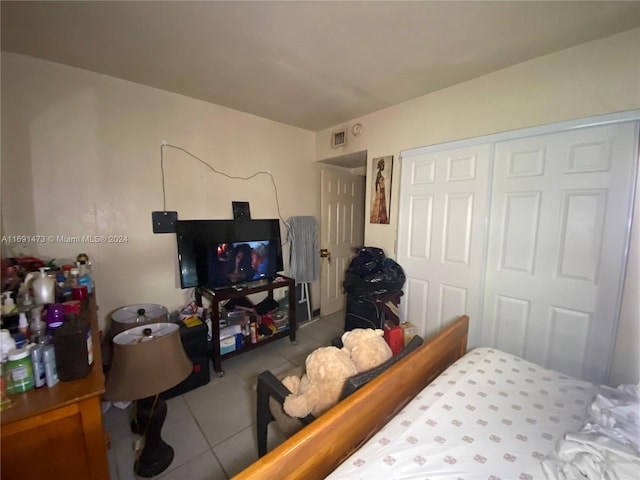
<point x="381" y="172"/>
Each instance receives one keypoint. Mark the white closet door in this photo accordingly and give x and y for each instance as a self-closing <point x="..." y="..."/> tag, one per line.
<point x="556" y="255"/>
<point x="441" y="235"/>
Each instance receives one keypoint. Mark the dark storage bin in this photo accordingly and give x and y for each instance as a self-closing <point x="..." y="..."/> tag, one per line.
<point x="200" y="375"/>
<point x="371" y="312"/>
<point x="71" y="345"/>
<point x="362" y="313"/>
<point x="194" y="341"/>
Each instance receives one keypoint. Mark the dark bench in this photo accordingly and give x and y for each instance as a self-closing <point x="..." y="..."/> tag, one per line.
<point x="271" y="395"/>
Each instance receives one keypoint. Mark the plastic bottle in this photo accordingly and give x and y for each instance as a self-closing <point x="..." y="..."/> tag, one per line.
<point x="20" y="371"/>
<point x="26" y="300"/>
<point x="38" y="333"/>
<point x="86" y="280"/>
<point x="84" y="272"/>
<point x="7" y="344"/>
<point x="38" y="328"/>
<point x="5" y="401"/>
<point x="23" y="324"/>
<point x="89" y="346"/>
<point x="50" y="369"/>
<point x="21" y="340"/>
<point x="74" y="276"/>
<point x="39" y="376"/>
<point x="63" y="288"/>
<point x="44" y="288"/>
<point x="10" y="280"/>
<point x="253" y="327"/>
<point x="55" y="318"/>
<point x="8" y="304"/>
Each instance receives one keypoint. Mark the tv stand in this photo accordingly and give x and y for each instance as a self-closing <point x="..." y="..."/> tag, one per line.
<point x="216" y="296"/>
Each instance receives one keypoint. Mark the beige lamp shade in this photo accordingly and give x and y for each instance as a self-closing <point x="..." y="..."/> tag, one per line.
<point x="128" y="317"/>
<point x="135" y="315"/>
<point x="147" y="360"/>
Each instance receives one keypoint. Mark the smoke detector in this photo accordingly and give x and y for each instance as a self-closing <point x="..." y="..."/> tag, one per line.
<point x="339" y="138"/>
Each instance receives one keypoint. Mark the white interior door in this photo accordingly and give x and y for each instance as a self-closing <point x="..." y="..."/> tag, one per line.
<point x="341" y="230"/>
<point x="556" y="253"/>
<point x="441" y="234"/>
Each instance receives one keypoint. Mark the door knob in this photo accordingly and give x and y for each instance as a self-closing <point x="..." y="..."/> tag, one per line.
<point x="325" y="253"/>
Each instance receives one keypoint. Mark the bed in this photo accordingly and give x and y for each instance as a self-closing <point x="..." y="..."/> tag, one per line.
<point x="443" y="412"/>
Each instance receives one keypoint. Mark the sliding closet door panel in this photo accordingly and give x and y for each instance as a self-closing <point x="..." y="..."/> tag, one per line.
<point x="557" y="240"/>
<point x="416" y="295"/>
<point x="440" y="242"/>
<point x="512" y="315"/>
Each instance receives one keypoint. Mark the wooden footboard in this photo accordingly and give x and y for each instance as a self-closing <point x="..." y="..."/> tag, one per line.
<point x="316" y="450"/>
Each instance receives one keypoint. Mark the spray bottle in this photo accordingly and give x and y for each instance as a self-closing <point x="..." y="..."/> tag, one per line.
<point x="44" y="288"/>
<point x="8" y="304"/>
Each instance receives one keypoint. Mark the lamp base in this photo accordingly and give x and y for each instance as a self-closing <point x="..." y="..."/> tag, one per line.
<point x="150" y="464"/>
<point x="156" y="454"/>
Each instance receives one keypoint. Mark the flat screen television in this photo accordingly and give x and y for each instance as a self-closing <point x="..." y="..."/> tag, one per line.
<point x="219" y="254"/>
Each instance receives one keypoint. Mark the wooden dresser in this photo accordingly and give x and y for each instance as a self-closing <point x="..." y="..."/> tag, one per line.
<point x="57" y="432"/>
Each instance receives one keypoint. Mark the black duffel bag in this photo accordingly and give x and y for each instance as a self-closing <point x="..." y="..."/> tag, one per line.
<point x="371" y="273"/>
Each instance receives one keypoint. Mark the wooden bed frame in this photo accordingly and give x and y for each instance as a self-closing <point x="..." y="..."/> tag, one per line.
<point x="317" y="449"/>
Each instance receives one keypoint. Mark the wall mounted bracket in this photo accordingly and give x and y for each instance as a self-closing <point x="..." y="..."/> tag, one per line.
<point x="164" y="222"/>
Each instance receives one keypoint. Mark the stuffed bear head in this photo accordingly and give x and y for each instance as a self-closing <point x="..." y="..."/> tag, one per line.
<point x="367" y="347"/>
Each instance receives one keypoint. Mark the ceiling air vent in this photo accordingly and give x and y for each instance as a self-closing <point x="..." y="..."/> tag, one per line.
<point x="339" y="138"/>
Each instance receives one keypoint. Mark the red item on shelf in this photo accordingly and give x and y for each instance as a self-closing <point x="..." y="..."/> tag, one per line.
<point x="394" y="337"/>
<point x="71" y="307"/>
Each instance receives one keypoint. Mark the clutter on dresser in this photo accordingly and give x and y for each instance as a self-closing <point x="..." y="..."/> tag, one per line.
<point x="44" y="336"/>
<point x="40" y="410"/>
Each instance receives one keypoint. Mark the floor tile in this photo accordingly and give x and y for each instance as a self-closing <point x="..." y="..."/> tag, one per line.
<point x="297" y="353"/>
<point x="121" y="454"/>
<point x="224" y="412"/>
<point x="203" y="467"/>
<point x="323" y="330"/>
<point x="182" y="432"/>
<point x="237" y="452"/>
<point x="249" y="365"/>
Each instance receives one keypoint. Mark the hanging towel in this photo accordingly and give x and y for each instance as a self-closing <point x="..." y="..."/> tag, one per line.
<point x="303" y="264"/>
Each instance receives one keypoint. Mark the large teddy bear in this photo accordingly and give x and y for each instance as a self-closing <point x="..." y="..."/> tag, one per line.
<point x="327" y="368"/>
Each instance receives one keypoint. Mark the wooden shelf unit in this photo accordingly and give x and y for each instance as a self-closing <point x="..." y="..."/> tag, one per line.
<point x="216" y="296"/>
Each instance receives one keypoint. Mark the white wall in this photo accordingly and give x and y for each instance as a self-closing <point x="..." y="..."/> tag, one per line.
<point x="81" y="156"/>
<point x="594" y="78"/>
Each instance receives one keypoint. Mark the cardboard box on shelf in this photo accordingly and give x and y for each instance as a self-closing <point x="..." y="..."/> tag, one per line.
<point x="409" y="331"/>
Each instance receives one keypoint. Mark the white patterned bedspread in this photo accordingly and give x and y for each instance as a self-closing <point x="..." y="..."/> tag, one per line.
<point x="490" y="415"/>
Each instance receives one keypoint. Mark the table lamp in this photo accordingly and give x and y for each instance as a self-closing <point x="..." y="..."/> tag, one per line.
<point x="147" y="360"/>
<point x="128" y="317"/>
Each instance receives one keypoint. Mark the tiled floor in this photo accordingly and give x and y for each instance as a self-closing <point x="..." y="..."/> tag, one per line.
<point x="212" y="428"/>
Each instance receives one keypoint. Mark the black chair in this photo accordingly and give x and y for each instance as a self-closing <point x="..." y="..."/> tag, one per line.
<point x="271" y="395"/>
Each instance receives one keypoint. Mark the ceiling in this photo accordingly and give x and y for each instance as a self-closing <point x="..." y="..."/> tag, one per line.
<point x="313" y="65"/>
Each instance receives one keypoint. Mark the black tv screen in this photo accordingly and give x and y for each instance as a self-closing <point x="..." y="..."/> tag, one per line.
<point x="219" y="254"/>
